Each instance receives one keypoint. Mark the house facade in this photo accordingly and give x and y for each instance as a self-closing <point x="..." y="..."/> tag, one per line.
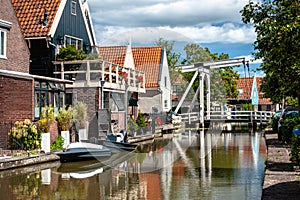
<point x="48" y="25"/>
<point x="245" y="87"/>
<point x="153" y="62"/>
<point x="16" y="86"/>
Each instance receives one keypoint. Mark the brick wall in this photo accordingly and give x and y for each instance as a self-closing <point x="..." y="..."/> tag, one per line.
<point x="16" y="103"/>
<point x="90" y="96"/>
<point x="18" y="55"/>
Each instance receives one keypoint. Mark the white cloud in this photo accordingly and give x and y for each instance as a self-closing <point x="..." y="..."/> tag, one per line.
<point x="174" y="13"/>
<point x="227" y="33"/>
<point x="203" y="21"/>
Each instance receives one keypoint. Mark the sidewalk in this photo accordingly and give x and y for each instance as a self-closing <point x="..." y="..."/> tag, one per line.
<point x="282" y="180"/>
<point x="8" y="162"/>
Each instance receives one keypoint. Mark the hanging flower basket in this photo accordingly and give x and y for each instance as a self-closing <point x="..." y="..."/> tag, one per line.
<point x="123" y="74"/>
<point x="139" y="78"/>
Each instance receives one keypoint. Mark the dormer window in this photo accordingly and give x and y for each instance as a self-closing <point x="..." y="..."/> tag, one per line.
<point x="73" y="7"/>
<point x="4" y="27"/>
<point x="2" y="43"/>
<point x="77" y="42"/>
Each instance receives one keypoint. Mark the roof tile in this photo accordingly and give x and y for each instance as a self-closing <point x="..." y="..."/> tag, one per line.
<point x="148" y="60"/>
<point x="31" y="14"/>
<point x="114" y="54"/>
<point x="246" y="85"/>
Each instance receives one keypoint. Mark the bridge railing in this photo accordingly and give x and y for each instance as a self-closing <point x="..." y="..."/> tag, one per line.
<point x="261" y="116"/>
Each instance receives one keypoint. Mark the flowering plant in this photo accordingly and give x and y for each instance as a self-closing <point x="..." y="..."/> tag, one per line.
<point x="139" y="78"/>
<point x="47" y="118"/>
<point x="123" y="74"/>
<point x="24" y="135"/>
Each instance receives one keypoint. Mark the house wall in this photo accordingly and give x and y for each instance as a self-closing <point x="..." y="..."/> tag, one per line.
<point x="16" y="103"/>
<point x="17" y="50"/>
<point x="90" y="96"/>
<point x="16" y="93"/>
<point x="72" y="25"/>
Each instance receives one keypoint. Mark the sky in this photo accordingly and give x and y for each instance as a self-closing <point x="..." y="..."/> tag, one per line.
<point x="215" y="24"/>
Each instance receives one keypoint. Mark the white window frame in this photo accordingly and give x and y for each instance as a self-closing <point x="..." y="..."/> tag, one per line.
<point x="73" y="7"/>
<point x="240" y="90"/>
<point x="3" y="33"/>
<point x="76" y="43"/>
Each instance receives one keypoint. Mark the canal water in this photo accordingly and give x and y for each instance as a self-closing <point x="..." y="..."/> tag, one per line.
<point x="188" y="166"/>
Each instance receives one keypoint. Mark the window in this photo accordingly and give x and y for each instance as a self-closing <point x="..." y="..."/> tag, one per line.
<point x="2" y="43"/>
<point x="73" y="7"/>
<point x="166" y="103"/>
<point x="47" y="93"/>
<point x="77" y="42"/>
<point x="240" y="91"/>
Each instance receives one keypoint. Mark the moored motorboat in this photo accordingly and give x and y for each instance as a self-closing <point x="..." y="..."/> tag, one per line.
<point x="81" y="151"/>
<point x="119" y="146"/>
<point x="115" y="142"/>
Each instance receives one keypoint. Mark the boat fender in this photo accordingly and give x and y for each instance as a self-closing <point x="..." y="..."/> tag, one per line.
<point x="120" y="137"/>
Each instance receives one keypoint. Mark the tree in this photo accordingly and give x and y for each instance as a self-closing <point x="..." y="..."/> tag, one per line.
<point x="276" y="24"/>
<point x="172" y="57"/>
<point x="225" y="77"/>
<point x="70" y="53"/>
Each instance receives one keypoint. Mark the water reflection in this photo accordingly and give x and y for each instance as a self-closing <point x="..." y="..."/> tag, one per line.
<point x="191" y="166"/>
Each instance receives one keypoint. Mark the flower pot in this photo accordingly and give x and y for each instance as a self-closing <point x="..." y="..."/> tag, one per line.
<point x="82" y="134"/>
<point x="45" y="144"/>
<point x="66" y="136"/>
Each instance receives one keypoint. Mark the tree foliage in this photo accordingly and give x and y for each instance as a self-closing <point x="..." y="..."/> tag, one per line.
<point x="278" y="44"/>
<point x="69" y="53"/>
<point x="223" y="79"/>
<point x="172" y="57"/>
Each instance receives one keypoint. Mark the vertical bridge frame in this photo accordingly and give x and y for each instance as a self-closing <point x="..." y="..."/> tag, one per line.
<point x="202" y="69"/>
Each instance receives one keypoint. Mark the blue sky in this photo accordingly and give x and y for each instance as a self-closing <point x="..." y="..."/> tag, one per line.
<point x="215" y="24"/>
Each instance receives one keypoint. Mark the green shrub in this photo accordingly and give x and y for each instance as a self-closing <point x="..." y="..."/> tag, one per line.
<point x="65" y="118"/>
<point x="57" y="144"/>
<point x="140" y="120"/>
<point x="80" y="114"/>
<point x="295" y="150"/>
<point x="287" y="128"/>
<point x="24" y="135"/>
<point x="274" y="123"/>
<point x="132" y="126"/>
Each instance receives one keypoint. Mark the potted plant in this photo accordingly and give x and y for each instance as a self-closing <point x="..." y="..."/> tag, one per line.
<point x="80" y="117"/>
<point x="65" y="119"/>
<point x="46" y="119"/>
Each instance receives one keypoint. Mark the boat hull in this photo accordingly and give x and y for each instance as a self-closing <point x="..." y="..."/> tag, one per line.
<point x="84" y="152"/>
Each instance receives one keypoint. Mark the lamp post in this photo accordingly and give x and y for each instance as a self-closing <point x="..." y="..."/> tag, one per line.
<point x="102" y="82"/>
<point x="126" y="105"/>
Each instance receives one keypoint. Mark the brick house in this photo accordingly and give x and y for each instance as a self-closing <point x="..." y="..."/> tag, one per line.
<point x="153" y="62"/>
<point x="48" y="25"/>
<point x="16" y="86"/>
<point x="244" y="86"/>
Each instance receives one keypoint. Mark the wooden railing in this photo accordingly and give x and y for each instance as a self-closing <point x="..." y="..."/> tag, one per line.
<point x="89" y="73"/>
<point x="260" y="116"/>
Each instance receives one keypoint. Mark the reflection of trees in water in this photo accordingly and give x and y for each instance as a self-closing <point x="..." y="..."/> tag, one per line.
<point x="20" y="187"/>
<point x="70" y="189"/>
